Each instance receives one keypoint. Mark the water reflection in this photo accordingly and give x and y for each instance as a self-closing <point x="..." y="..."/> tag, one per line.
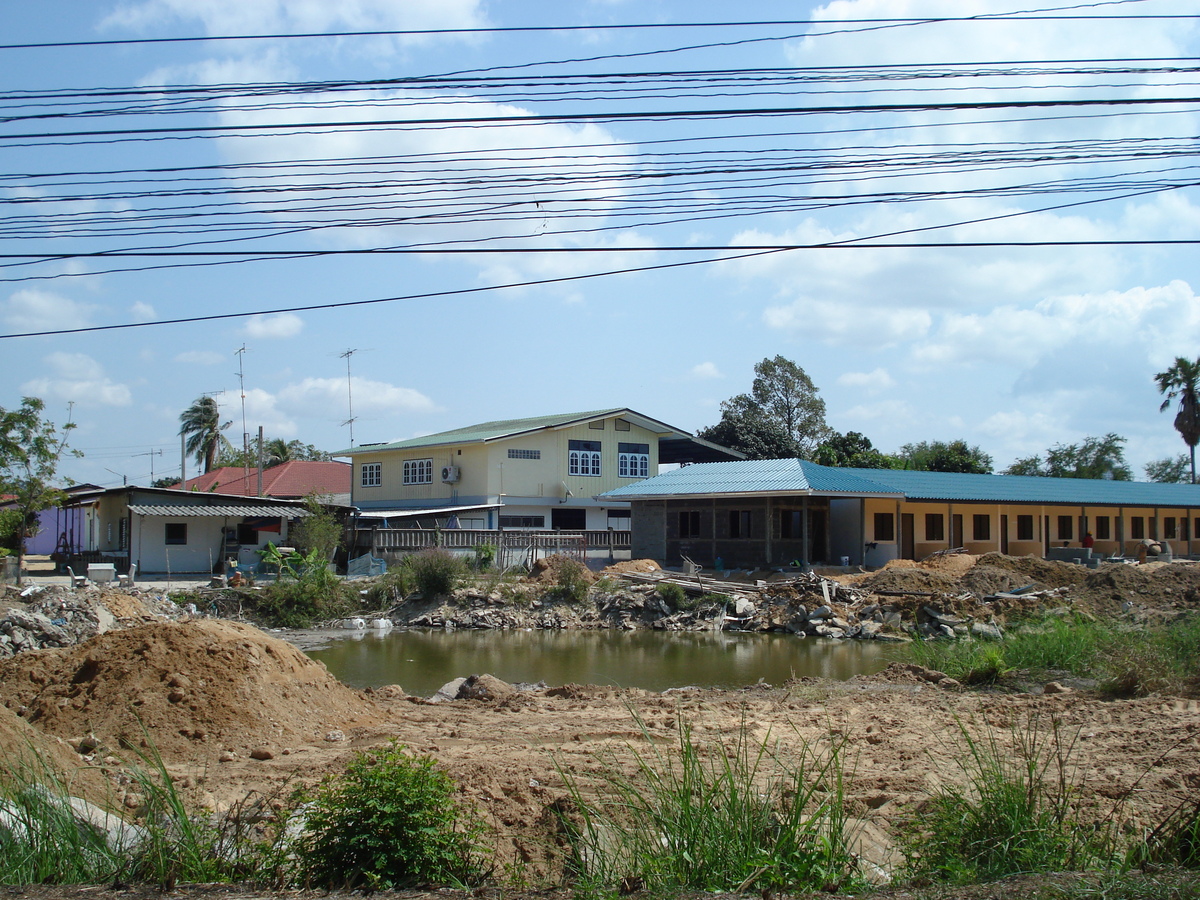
<point x="421" y="661"/>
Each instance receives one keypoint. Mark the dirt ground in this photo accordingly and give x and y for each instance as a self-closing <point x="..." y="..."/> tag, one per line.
<point x="238" y="714"/>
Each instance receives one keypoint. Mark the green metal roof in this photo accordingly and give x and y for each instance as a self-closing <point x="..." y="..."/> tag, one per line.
<point x="504" y="428"/>
<point x="781" y="476"/>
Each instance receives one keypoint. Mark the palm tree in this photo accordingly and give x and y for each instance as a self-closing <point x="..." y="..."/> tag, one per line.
<point x="1182" y="380"/>
<point x="201" y="425"/>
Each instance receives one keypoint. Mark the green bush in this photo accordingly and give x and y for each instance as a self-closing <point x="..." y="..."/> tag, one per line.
<point x="1014" y="814"/>
<point x="434" y="572"/>
<point x="485" y="556"/>
<point x="713" y="817"/>
<point x="389" y="822"/>
<point x="572" y="579"/>
<point x="673" y="595"/>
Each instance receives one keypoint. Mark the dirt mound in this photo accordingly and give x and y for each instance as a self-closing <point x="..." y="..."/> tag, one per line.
<point x="914" y="580"/>
<point x="194" y="688"/>
<point x="1162" y="586"/>
<point x="632" y="565"/>
<point x="548" y="569"/>
<point x="22" y="744"/>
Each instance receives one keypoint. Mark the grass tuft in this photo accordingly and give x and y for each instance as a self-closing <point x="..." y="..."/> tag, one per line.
<point x="715" y="816"/>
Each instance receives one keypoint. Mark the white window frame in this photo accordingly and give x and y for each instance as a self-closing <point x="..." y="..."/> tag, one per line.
<point x="418" y="471"/>
<point x="584" y="462"/>
<point x="633" y="465"/>
<point x="372" y="475"/>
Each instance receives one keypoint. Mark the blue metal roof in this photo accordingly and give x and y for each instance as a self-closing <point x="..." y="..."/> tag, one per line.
<point x="1031" y="489"/>
<point x="780" y="476"/>
<point x="751" y="476"/>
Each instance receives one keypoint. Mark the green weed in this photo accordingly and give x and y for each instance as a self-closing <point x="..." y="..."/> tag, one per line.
<point x="389" y="821"/>
<point x="1014" y="814"/>
<point x="714" y="817"/>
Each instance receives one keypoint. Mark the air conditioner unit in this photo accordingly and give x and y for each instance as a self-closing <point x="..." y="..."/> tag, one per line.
<point x="451" y="474"/>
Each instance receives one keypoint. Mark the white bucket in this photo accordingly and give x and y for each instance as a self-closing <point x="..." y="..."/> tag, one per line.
<point x="845" y="560"/>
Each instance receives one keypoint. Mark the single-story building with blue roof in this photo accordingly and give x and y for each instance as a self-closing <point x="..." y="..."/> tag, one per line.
<point x="779" y="511"/>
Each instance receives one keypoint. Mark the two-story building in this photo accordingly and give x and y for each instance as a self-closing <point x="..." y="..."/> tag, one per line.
<point x="540" y="473"/>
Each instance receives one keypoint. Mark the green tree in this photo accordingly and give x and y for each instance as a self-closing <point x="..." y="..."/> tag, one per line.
<point x="1168" y="470"/>
<point x="783" y="415"/>
<point x="851" y="450"/>
<point x="744" y="427"/>
<point x="1094" y="457"/>
<point x="945" y="456"/>
<point x="1182" y="380"/>
<point x="200" y="425"/>
<point x="30" y="450"/>
<point x="319" y="531"/>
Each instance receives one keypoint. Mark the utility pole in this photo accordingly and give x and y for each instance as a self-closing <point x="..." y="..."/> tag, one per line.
<point x="349" y="393"/>
<point x="151" y="454"/>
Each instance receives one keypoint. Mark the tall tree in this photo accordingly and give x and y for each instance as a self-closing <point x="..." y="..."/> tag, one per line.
<point x="1168" y="470"/>
<point x="745" y="428"/>
<point x="945" y="456"/>
<point x="200" y="424"/>
<point x="1182" y="380"/>
<point x="30" y="450"/>
<point x="783" y="415"/>
<point x="1094" y="457"/>
<point x="852" y="450"/>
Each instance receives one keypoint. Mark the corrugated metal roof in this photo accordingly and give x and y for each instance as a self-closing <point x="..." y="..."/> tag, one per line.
<point x="505" y="428"/>
<point x="778" y="476"/>
<point x="430" y="511"/>
<point x="233" y="510"/>
<point x="484" y="431"/>
<point x="1031" y="489"/>
<point x="751" y="476"/>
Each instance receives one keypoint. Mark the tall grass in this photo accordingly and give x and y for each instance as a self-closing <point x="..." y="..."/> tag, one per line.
<point x="714" y="817"/>
<point x="42" y="840"/>
<point x="1014" y="813"/>
<point x="1122" y="660"/>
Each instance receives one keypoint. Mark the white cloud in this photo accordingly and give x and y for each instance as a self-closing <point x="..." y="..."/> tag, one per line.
<point x="274" y="327"/>
<point x="706" y="370"/>
<point x="325" y="394"/>
<point x="34" y="310"/>
<point x="201" y="357"/>
<point x="143" y="312"/>
<point x="78" y="378"/>
<point x="289" y="16"/>
<point x="874" y="382"/>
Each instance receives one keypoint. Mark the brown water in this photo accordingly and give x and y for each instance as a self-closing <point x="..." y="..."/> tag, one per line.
<point x="421" y="661"/>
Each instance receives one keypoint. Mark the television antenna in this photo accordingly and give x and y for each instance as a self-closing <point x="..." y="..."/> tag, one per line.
<point x="349" y="393"/>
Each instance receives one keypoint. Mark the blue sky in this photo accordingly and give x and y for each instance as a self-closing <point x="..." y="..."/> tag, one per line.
<point x="1013" y="348"/>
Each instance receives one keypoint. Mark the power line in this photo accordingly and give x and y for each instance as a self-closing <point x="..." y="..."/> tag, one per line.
<point x="534" y="29"/>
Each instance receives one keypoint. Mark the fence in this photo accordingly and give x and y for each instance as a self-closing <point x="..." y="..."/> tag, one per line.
<point x="514" y="547"/>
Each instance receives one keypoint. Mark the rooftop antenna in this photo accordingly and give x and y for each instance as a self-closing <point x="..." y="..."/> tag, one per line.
<point x="241" y="354"/>
<point x="349" y="393"/>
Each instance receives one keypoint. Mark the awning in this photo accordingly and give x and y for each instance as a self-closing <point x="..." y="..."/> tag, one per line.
<point x="429" y="511"/>
<point x="231" y="510"/>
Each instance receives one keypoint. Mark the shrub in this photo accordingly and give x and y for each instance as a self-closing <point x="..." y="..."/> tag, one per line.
<point x="572" y="579"/>
<point x="485" y="556"/>
<point x="673" y="595"/>
<point x="389" y="822"/>
<point x="434" y="572"/>
<point x="713" y="817"/>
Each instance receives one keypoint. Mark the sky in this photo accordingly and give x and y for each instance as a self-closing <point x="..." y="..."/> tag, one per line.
<point x="956" y="216"/>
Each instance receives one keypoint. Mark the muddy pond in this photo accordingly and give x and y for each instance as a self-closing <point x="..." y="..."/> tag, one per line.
<point x="421" y="661"/>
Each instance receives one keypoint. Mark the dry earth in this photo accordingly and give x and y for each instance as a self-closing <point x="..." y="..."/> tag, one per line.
<point x="237" y="713"/>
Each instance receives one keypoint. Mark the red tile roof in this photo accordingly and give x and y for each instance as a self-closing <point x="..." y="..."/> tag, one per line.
<point x="290" y="480"/>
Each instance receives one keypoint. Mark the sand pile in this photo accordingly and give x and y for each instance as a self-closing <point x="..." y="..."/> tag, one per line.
<point x="193" y="689"/>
